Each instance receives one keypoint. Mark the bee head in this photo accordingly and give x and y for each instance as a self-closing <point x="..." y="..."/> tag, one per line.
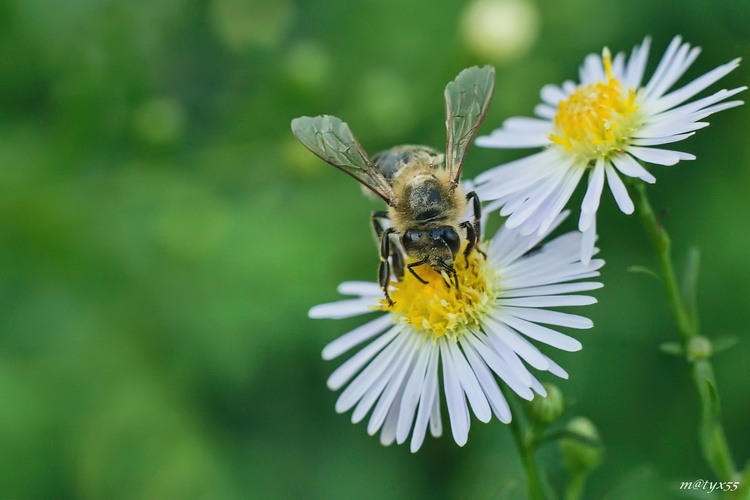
<point x="438" y="245"/>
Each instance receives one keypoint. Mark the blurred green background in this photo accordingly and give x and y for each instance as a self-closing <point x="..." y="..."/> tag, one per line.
<point x="163" y="236"/>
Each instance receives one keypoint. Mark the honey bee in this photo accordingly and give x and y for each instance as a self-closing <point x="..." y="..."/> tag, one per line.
<point x="420" y="186"/>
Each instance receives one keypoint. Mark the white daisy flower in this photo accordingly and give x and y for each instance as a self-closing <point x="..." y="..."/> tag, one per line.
<point x="465" y="336"/>
<point x="606" y="125"/>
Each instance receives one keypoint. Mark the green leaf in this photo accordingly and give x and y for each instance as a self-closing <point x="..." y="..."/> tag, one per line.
<point x="672" y="348"/>
<point x="644" y="270"/>
<point x="725" y="343"/>
<point x="711" y="433"/>
<point x="712" y="398"/>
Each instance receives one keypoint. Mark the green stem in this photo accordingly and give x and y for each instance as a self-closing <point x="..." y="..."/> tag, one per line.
<point x="713" y="440"/>
<point x="574" y="490"/>
<point x="526" y="447"/>
<point x="663" y="248"/>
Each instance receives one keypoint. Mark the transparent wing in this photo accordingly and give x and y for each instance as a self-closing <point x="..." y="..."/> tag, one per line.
<point x="330" y="139"/>
<point x="466" y="101"/>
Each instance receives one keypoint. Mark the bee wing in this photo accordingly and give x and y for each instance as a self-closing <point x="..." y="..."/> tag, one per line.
<point x="466" y="101"/>
<point x="330" y="139"/>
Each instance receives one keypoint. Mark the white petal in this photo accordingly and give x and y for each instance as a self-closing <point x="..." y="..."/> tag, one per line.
<point x="587" y="243"/>
<point x="392" y="355"/>
<point x="548" y="301"/>
<point x="665" y="67"/>
<point x="538" y="387"/>
<point x="563" y="196"/>
<point x="487" y="382"/>
<point x="375" y="390"/>
<point x="356" y="336"/>
<point x="552" y="289"/>
<point x="343" y="308"/>
<point x="436" y="422"/>
<point x="542" y="334"/>
<point x="586" y="220"/>
<point x="511" y="170"/>
<point x="512" y="140"/>
<point x="618" y="66"/>
<point x="391" y="396"/>
<point x="681" y="117"/>
<point x="412" y="394"/>
<point x="388" y="434"/>
<point x="469" y="384"/>
<point x="507" y="246"/>
<point x="350" y="367"/>
<point x="655" y="155"/>
<point x="426" y="400"/>
<point x="516" y="375"/>
<point x="548" y="317"/>
<point x="619" y="191"/>
<point x="547" y="211"/>
<point x="683" y="94"/>
<point x="592" y="70"/>
<point x="361" y="288"/>
<point x="522" y="347"/>
<point x="569" y="86"/>
<point x="454" y="397"/>
<point x="628" y="166"/>
<point x="655" y="141"/>
<point x="560" y="273"/>
<point x="556" y="369"/>
<point x="552" y="94"/>
<point x="667" y="129"/>
<point x="527" y="125"/>
<point x="683" y="59"/>
<point x="545" y="111"/>
<point x="637" y="64"/>
<point x="716" y="108"/>
<point x="558" y="261"/>
<point x="594" y="192"/>
<point x="535" y="197"/>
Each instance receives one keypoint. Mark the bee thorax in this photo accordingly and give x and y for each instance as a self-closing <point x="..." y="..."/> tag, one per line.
<point x="392" y="162"/>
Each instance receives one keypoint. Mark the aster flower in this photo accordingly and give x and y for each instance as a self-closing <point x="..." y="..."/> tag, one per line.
<point x="468" y="337"/>
<point x="605" y="125"/>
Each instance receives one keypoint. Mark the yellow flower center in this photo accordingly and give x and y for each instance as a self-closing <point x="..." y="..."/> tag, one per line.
<point x="597" y="120"/>
<point x="439" y="307"/>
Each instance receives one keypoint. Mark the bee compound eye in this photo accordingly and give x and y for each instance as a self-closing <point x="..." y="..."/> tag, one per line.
<point x="450" y="236"/>
<point x="411" y="236"/>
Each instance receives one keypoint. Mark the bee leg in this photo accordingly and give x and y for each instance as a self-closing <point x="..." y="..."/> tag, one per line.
<point x="384" y="270"/>
<point x="397" y="260"/>
<point x="471" y="240"/>
<point x="477" y="206"/>
<point x="374" y="218"/>
<point x="453" y="274"/>
<point x="414" y="273"/>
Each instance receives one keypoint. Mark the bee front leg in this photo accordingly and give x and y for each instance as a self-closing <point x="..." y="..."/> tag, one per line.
<point x="477" y="223"/>
<point x="411" y="267"/>
<point x="453" y="274"/>
<point x="397" y="260"/>
<point x="471" y="241"/>
<point x="384" y="270"/>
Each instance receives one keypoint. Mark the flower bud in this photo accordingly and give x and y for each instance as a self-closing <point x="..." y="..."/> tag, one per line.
<point x="581" y="456"/>
<point x="544" y="411"/>
<point x="699" y="348"/>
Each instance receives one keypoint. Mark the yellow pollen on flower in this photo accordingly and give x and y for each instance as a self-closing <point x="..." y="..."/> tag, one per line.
<point x="597" y="120"/>
<point x="437" y="308"/>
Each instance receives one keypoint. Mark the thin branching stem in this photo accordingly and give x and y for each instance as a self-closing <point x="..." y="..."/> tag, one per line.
<point x="526" y="446"/>
<point x="714" y="444"/>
